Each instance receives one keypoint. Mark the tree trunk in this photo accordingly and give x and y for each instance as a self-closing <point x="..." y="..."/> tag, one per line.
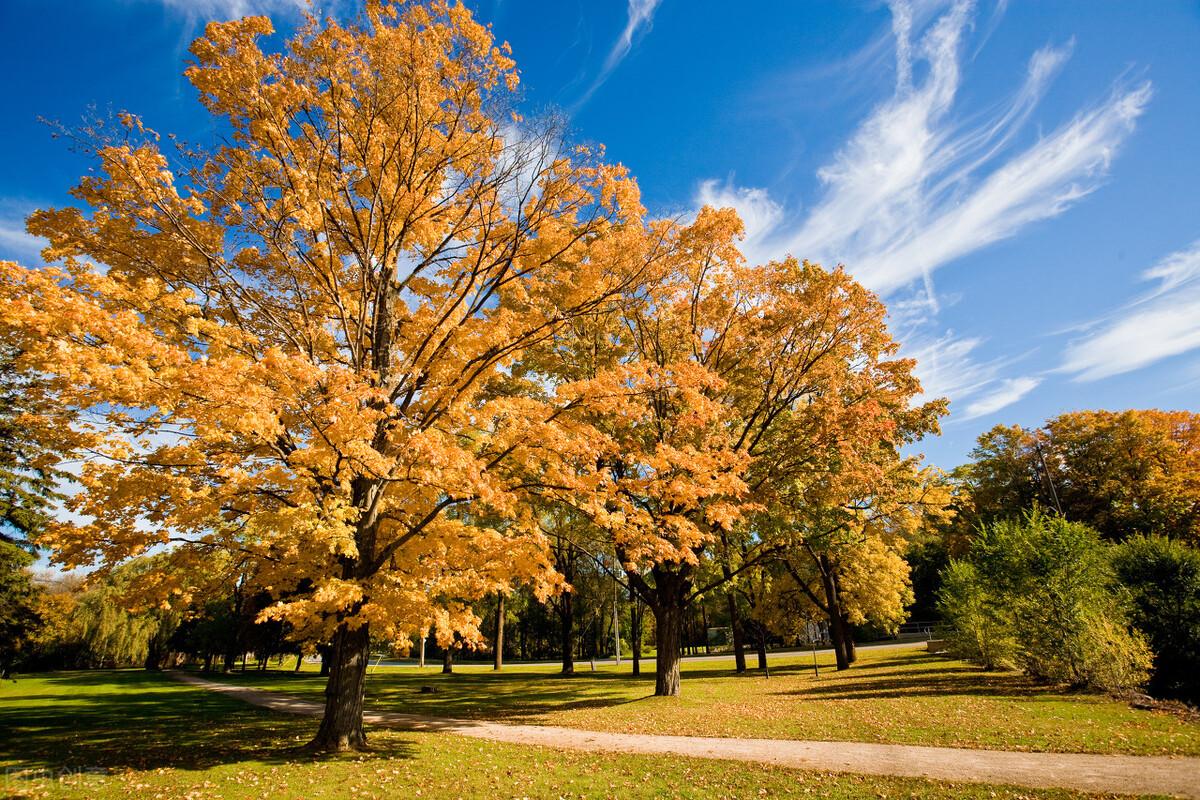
<point x="635" y="631"/>
<point x="847" y="630"/>
<point x="326" y="652"/>
<point x="762" y="647"/>
<point x="299" y="661"/>
<point x="154" y="656"/>
<point x="735" y="626"/>
<point x="342" y="725"/>
<point x="208" y="659"/>
<point x="837" y="630"/>
<point x="851" y="648"/>
<point x="448" y="661"/>
<point x="668" y="630"/>
<point x="566" y="613"/>
<point x="499" y="646"/>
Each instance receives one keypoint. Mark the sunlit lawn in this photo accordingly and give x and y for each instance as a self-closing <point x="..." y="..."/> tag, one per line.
<point x="895" y="695"/>
<point x="102" y="735"/>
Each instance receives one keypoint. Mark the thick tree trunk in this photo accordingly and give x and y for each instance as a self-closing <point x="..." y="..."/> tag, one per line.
<point x="448" y="661"/>
<point x="299" y="661"/>
<point x="739" y="641"/>
<point x="837" y="623"/>
<point x="668" y="631"/>
<point x="342" y="725"/>
<point x="499" y="631"/>
<point x="762" y="647"/>
<point x="847" y="630"/>
<point x="850" y="647"/>
<point x="154" y="656"/>
<point x="566" y="613"/>
<point x="208" y="659"/>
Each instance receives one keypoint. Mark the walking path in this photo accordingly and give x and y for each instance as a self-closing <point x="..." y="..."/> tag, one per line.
<point x="1169" y="775"/>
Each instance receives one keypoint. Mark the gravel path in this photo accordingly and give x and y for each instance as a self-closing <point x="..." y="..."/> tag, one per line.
<point x="1163" y="775"/>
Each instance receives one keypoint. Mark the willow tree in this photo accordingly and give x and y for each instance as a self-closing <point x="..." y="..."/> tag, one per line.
<point x="710" y="390"/>
<point x="296" y="346"/>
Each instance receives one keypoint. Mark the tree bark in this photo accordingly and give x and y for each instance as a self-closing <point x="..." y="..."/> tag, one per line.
<point x="448" y="661"/>
<point x="153" y="655"/>
<point x="566" y="614"/>
<point x="762" y="647"/>
<point x="635" y="631"/>
<point x="833" y="606"/>
<point x="668" y="629"/>
<point x="735" y="626"/>
<point x="850" y="647"/>
<point x="342" y="725"/>
<point x="499" y="645"/>
<point x="847" y="629"/>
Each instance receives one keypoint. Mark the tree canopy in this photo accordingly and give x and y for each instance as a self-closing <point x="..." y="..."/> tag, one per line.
<point x="358" y="352"/>
<point x="1121" y="472"/>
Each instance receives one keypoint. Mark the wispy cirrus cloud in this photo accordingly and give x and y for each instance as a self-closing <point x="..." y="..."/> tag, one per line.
<point x="920" y="183"/>
<point x="1001" y="395"/>
<point x="758" y="211"/>
<point x="640" y="18"/>
<point x="949" y="365"/>
<point x="1163" y="323"/>
<point x="914" y="188"/>
<point x="15" y="243"/>
<point x="233" y="9"/>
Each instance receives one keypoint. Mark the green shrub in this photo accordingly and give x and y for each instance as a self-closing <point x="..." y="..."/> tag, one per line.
<point x="1163" y="578"/>
<point x="980" y="630"/>
<point x="1039" y="592"/>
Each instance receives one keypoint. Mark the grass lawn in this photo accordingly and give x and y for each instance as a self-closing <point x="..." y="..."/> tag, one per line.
<point x="99" y="735"/>
<point x="903" y="696"/>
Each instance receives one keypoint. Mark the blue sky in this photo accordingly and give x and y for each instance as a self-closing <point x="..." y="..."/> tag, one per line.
<point x="1017" y="179"/>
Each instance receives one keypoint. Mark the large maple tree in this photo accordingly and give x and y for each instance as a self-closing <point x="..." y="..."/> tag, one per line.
<point x="296" y="346"/>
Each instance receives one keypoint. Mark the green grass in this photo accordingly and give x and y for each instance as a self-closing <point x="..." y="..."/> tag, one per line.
<point x="902" y="696"/>
<point x="100" y="735"/>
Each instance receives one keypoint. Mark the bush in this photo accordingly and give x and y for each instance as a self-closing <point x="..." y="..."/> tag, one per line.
<point x="1040" y="592"/>
<point x="1163" y="578"/>
<point x="980" y="631"/>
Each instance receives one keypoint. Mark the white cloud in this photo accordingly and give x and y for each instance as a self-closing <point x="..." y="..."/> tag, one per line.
<point x="641" y="16"/>
<point x="949" y="366"/>
<point x="914" y="188"/>
<point x="919" y="184"/>
<point x="758" y="211"/>
<point x="234" y="9"/>
<point x="1162" y="324"/>
<point x="1003" y="394"/>
<point x="946" y="365"/>
<point x="15" y="243"/>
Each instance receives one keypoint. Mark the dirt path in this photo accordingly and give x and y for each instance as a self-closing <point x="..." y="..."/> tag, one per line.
<point x="1169" y="775"/>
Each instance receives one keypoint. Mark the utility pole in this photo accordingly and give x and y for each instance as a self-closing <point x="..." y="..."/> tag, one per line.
<point x="1037" y="444"/>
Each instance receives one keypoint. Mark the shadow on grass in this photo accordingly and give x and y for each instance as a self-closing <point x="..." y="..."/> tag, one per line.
<point x="918" y="681"/>
<point x="116" y="720"/>
<point x="513" y="696"/>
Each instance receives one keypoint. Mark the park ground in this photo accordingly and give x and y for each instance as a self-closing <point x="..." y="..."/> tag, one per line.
<point x="129" y="733"/>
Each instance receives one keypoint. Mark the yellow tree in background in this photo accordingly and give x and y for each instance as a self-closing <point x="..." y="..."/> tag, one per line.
<point x="297" y="346"/>
<point x="842" y="541"/>
<point x="714" y="392"/>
